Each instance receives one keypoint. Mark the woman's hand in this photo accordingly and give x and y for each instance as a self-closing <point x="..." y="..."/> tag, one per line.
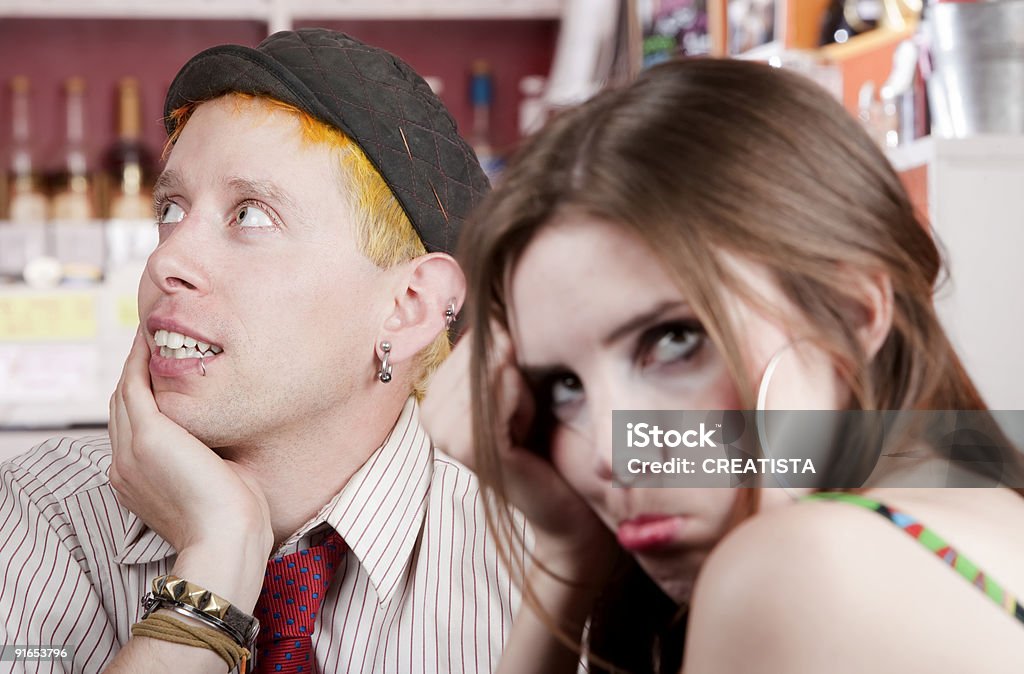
<point x="570" y="542"/>
<point x="212" y="511"/>
<point x="569" y="538"/>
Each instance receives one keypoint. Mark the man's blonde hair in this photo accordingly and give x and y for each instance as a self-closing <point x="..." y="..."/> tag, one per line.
<point x="384" y="233"/>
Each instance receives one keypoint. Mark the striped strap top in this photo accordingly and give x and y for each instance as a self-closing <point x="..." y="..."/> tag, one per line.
<point x="936" y="544"/>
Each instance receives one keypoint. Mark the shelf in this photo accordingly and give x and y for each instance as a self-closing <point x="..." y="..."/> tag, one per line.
<point x="913" y="155"/>
<point x="61" y="350"/>
<point x="866" y="57"/>
<point x="417" y="9"/>
<point x="281" y="14"/>
<point x="138" y="9"/>
<point x="992" y="150"/>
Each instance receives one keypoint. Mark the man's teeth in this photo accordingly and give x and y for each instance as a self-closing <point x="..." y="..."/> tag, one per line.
<point x="177" y="345"/>
<point x="183" y="352"/>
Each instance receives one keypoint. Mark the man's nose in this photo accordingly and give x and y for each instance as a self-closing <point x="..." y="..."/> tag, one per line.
<point x="179" y="265"/>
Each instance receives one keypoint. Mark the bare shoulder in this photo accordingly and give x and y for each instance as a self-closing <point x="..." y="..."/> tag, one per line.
<point x="819" y="586"/>
<point x="787" y="557"/>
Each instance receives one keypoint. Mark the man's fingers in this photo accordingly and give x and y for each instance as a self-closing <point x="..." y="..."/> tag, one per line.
<point x="112" y="419"/>
<point x="136" y="389"/>
<point x="122" y="421"/>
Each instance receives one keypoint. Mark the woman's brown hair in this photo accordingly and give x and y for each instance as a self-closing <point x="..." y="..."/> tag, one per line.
<point x="704" y="156"/>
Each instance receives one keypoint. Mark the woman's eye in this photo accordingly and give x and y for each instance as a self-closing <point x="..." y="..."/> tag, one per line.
<point x="171" y="213"/>
<point x="673" y="343"/>
<point x="253" y="216"/>
<point x="566" y="389"/>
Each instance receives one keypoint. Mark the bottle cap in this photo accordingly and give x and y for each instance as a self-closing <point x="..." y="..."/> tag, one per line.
<point x="19" y="84"/>
<point x="532" y="85"/>
<point x="43" y="272"/>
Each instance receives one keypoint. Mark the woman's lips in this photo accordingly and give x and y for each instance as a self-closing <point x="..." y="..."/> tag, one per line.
<point x="649" y="532"/>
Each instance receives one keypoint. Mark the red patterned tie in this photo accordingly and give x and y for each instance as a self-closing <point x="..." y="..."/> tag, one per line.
<point x="292" y="591"/>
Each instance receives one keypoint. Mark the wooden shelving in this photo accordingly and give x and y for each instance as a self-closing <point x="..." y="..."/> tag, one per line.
<point x="282" y="14"/>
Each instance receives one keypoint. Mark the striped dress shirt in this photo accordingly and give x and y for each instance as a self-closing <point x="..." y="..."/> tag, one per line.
<point x="421" y="588"/>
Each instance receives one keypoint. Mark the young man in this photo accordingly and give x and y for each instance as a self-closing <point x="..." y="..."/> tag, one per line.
<point x="300" y="293"/>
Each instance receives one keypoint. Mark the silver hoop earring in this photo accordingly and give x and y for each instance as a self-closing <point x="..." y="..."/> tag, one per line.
<point x="384" y="373"/>
<point x="793" y="439"/>
<point x="760" y="422"/>
<point x="449" y="314"/>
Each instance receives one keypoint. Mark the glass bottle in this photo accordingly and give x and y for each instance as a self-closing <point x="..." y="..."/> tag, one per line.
<point x="72" y="187"/>
<point x="128" y="163"/>
<point x="26" y="201"/>
<point x="481" y="96"/>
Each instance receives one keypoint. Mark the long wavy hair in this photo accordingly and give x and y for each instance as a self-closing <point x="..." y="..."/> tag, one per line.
<point x="696" y="157"/>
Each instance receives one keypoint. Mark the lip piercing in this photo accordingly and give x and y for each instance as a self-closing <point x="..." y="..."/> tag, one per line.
<point x="202" y="364"/>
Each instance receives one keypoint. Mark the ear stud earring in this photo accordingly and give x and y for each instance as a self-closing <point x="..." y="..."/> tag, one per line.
<point x="449" y="314"/>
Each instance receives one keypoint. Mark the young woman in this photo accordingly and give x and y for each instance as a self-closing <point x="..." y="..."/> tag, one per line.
<point x="661" y="247"/>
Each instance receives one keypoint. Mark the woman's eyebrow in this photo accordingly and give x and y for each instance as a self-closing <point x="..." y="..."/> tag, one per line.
<point x="642" y="320"/>
<point x="535" y="374"/>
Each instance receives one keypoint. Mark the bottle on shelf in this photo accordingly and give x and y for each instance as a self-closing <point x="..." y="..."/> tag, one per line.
<point x="845" y="19"/>
<point x="533" y="109"/>
<point x="78" y="237"/>
<point x="898" y="91"/>
<point x="72" y="189"/>
<point x="128" y="162"/>
<point x="481" y="96"/>
<point x="26" y="201"/>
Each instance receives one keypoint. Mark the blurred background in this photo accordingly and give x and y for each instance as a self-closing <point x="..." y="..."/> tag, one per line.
<point x="939" y="85"/>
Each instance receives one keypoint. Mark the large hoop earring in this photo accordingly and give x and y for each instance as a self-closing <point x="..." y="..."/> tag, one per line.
<point x="759" y="411"/>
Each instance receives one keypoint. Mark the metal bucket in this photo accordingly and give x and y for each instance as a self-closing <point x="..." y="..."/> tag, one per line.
<point x="977" y="86"/>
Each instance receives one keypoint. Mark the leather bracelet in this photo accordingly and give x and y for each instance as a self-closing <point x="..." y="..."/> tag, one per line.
<point x="189" y="599"/>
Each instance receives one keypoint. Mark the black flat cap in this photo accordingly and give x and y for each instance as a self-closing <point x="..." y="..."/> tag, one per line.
<point x="372" y="96"/>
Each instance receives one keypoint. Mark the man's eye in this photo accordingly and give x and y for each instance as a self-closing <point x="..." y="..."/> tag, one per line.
<point x="672" y="343"/>
<point x="171" y="213"/>
<point x="253" y="216"/>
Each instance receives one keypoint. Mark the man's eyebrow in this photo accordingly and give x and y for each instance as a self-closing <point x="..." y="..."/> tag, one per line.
<point x="264" y="190"/>
<point x="172" y="180"/>
<point x="167" y="181"/>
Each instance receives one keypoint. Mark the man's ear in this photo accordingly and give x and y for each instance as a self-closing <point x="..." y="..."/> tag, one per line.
<point x="876" y="306"/>
<point x="425" y="288"/>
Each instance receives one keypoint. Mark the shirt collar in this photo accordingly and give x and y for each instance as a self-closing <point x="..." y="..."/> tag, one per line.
<point x="379" y="512"/>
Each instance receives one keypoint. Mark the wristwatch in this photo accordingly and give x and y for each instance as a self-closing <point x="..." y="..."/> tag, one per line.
<point x="181" y="596"/>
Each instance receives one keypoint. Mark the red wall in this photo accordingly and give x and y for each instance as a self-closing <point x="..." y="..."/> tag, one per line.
<point x="102" y="51"/>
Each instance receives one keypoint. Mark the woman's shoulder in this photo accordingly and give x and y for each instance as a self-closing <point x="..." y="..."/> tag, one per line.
<point x="812" y="584"/>
<point x="807" y="542"/>
<point x="792" y="551"/>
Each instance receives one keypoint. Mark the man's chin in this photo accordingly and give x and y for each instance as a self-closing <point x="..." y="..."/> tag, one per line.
<point x="196" y="418"/>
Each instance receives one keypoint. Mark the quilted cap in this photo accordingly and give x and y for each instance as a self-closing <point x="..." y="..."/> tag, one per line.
<point x="372" y="96"/>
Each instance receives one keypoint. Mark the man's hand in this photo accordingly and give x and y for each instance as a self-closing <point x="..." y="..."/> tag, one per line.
<point x="212" y="511"/>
